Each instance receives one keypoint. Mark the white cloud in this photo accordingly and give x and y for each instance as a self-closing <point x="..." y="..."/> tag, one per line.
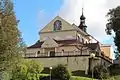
<point x="94" y="11"/>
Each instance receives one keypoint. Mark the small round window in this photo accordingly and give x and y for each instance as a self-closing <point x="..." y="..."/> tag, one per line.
<point x="57" y="25"/>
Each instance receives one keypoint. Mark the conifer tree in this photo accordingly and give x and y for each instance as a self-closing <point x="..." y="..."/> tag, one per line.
<point x="10" y="41"/>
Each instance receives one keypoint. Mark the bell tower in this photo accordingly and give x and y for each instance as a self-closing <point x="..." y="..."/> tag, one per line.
<point x="82" y="25"/>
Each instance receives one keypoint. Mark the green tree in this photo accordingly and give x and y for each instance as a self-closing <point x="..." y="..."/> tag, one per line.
<point x="114" y="25"/>
<point x="11" y="45"/>
<point x="27" y="70"/>
<point x="114" y="69"/>
<point x="61" y="72"/>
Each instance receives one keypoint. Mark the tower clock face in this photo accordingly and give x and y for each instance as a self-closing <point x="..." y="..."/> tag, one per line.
<point x="57" y="25"/>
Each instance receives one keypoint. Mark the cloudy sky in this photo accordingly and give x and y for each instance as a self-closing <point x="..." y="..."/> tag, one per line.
<point x="34" y="15"/>
<point x="94" y="11"/>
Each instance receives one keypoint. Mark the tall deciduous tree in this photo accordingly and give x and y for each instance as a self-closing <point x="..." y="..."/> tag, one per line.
<point x="114" y="25"/>
<point x="10" y="42"/>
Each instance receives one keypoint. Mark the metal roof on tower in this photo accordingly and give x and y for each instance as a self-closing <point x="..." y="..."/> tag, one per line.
<point x="82" y="25"/>
<point x="82" y="16"/>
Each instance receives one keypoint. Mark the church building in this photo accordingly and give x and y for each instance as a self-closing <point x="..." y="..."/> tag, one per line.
<point x="63" y="43"/>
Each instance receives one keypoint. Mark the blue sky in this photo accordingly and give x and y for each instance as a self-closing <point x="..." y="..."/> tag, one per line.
<point x="33" y="15"/>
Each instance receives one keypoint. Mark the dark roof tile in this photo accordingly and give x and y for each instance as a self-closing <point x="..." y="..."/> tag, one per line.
<point x="64" y="42"/>
<point x="36" y="45"/>
<point x="93" y="46"/>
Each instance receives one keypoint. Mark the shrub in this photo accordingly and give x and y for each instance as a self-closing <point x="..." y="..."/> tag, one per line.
<point x="61" y="72"/>
<point x="117" y="77"/>
<point x="44" y="78"/>
<point x="46" y="70"/>
<point x="114" y="78"/>
<point x="26" y="70"/>
<point x="114" y="69"/>
<point x="101" y="72"/>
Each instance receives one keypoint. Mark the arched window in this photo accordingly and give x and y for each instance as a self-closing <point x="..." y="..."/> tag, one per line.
<point x="62" y="50"/>
<point x="38" y="52"/>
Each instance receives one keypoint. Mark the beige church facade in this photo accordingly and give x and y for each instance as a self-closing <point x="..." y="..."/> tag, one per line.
<point x="64" y="43"/>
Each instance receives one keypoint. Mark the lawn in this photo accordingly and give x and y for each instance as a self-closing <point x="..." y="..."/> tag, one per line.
<point x="80" y="78"/>
<point x="44" y="74"/>
<point x="73" y="77"/>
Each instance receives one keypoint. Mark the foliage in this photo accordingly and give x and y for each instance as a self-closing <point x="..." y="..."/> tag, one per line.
<point x="114" y="25"/>
<point x="45" y="78"/>
<point x="117" y="55"/>
<point x="11" y="45"/>
<point x="114" y="78"/>
<point x="27" y="70"/>
<point x="61" y="72"/>
<point x="114" y="69"/>
<point x="101" y="72"/>
<point x="46" y="70"/>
